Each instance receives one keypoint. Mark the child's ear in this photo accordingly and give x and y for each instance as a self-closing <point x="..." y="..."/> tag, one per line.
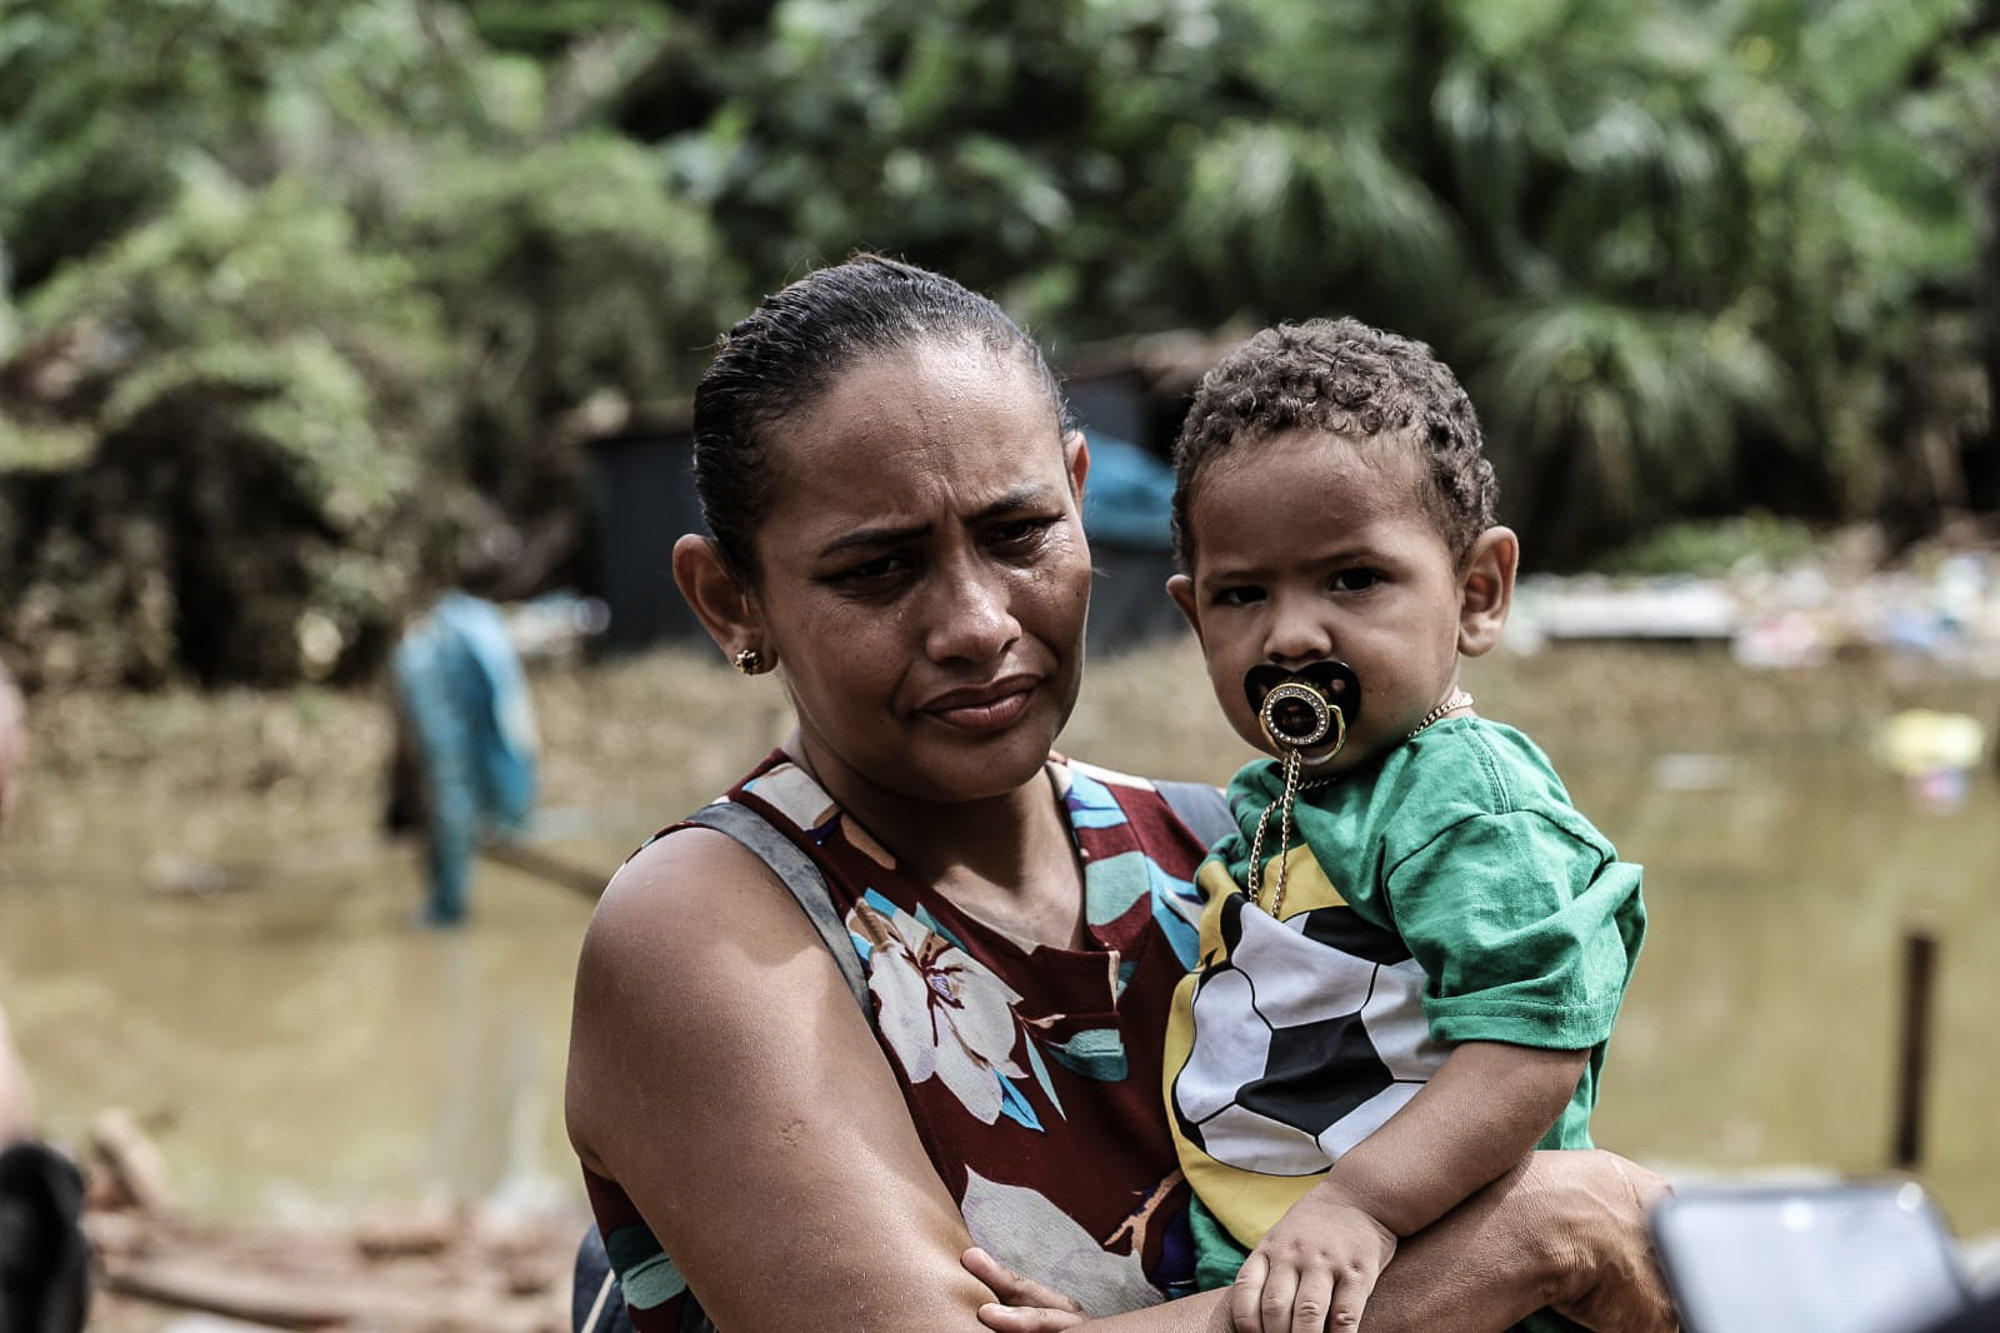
<point x="1181" y="588"/>
<point x="1486" y="590"/>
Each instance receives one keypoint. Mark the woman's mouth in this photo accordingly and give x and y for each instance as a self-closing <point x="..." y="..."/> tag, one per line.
<point x="982" y="709"/>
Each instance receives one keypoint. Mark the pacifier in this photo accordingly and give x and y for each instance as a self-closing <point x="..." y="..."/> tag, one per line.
<point x="1303" y="708"/>
<point x="1308" y="707"/>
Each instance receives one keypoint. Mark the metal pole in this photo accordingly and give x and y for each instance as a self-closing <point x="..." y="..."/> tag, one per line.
<point x="1913" y="1063"/>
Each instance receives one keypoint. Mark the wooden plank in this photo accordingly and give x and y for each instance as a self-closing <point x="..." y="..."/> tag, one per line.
<point x="198" y="1286"/>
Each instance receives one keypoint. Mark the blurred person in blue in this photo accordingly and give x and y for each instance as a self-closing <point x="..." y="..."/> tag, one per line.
<point x="465" y="769"/>
<point x="13" y="742"/>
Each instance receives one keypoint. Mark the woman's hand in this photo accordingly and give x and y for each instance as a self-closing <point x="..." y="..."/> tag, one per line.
<point x="1601" y="1204"/>
<point x="1561" y="1229"/>
<point x="1024" y="1306"/>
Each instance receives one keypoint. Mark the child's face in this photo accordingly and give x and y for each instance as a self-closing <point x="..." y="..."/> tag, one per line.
<point x="1309" y="547"/>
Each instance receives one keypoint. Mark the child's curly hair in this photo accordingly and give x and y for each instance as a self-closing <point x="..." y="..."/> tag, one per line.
<point x="1348" y="379"/>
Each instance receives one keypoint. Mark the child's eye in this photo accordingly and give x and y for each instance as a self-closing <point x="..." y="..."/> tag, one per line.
<point x="1356" y="580"/>
<point x="1241" y="595"/>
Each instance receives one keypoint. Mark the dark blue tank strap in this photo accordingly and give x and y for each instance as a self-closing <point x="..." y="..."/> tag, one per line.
<point x="801" y="879"/>
<point x="1201" y="807"/>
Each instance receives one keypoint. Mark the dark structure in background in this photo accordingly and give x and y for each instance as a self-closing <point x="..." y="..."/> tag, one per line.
<point x="1133" y="393"/>
<point x="642" y="489"/>
<point x="1114" y="399"/>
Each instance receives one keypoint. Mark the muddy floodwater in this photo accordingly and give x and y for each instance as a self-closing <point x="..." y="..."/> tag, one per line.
<point x="244" y="974"/>
<point x="297" y="1045"/>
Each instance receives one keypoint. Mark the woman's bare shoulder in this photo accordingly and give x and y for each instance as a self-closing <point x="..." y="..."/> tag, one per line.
<point x="692" y="936"/>
<point x="685" y="877"/>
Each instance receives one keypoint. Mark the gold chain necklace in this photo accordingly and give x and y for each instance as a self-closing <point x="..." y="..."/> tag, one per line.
<point x="1289" y="791"/>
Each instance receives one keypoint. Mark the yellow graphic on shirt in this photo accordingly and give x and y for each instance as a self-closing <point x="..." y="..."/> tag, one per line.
<point x="1293" y="1041"/>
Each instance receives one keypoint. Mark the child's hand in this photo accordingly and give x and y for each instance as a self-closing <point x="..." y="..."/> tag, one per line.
<point x="1315" y="1269"/>
<point x="1024" y="1306"/>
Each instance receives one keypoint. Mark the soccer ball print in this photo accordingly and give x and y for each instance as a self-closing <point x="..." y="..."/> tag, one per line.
<point x="1308" y="1035"/>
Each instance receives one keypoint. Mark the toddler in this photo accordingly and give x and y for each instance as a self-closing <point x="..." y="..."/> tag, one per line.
<point x="1408" y="972"/>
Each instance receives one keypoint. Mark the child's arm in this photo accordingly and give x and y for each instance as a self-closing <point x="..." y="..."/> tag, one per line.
<point x="1484" y="1109"/>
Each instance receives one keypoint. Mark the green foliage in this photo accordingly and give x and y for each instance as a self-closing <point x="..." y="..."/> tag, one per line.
<point x="360" y="268"/>
<point x="568" y="271"/>
<point x="254" y="385"/>
<point x="102" y="96"/>
<point x="266" y="295"/>
<point x="1617" y="417"/>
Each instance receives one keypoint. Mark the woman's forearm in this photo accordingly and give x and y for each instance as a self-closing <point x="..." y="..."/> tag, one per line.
<point x="1563" y="1229"/>
<point x="1485" y="1265"/>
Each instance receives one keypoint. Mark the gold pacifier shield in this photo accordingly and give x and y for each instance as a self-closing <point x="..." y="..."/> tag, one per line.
<point x="1295" y="716"/>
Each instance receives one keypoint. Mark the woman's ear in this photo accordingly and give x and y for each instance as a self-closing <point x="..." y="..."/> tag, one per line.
<point x="1076" y="457"/>
<point x="1486" y="590"/>
<point x="725" y="608"/>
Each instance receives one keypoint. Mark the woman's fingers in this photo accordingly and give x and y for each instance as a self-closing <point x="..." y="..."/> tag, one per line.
<point x="1027" y="1319"/>
<point x="1025" y="1306"/>
<point x="1014" y="1290"/>
<point x="1247" y="1294"/>
<point x="1636" y="1289"/>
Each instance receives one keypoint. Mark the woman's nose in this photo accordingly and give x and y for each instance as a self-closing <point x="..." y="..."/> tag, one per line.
<point x="974" y="620"/>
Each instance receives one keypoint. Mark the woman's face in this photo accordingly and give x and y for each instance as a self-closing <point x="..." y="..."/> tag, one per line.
<point x="923" y="572"/>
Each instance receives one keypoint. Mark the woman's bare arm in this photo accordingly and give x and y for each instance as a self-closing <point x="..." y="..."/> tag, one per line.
<point x="1563" y="1229"/>
<point x="722" y="1074"/>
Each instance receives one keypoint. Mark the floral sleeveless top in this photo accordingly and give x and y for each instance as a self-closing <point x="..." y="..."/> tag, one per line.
<point x="1032" y="1073"/>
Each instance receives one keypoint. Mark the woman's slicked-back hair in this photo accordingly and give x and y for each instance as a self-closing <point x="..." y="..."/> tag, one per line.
<point x="786" y="354"/>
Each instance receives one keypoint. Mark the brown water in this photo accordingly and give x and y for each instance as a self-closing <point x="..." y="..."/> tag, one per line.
<point x="1762" y="1025"/>
<point x="298" y="1046"/>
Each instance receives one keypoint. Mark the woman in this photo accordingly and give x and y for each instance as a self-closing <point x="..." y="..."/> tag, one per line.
<point x="894" y="502"/>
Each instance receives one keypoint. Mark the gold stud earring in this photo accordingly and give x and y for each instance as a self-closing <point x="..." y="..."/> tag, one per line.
<point x="749" y="661"/>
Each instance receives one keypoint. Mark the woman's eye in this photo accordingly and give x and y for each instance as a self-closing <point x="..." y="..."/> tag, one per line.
<point x="874" y="573"/>
<point x="1021" y="534"/>
<point x="1356" y="580"/>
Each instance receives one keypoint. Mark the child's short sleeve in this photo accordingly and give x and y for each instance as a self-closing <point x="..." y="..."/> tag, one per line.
<point x="1526" y="927"/>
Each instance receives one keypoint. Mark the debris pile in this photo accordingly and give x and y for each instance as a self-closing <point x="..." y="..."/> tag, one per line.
<point x="423" y="1270"/>
<point x="1937" y="605"/>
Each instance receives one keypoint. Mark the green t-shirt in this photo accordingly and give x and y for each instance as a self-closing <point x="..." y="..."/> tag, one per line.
<point x="1464" y="844"/>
